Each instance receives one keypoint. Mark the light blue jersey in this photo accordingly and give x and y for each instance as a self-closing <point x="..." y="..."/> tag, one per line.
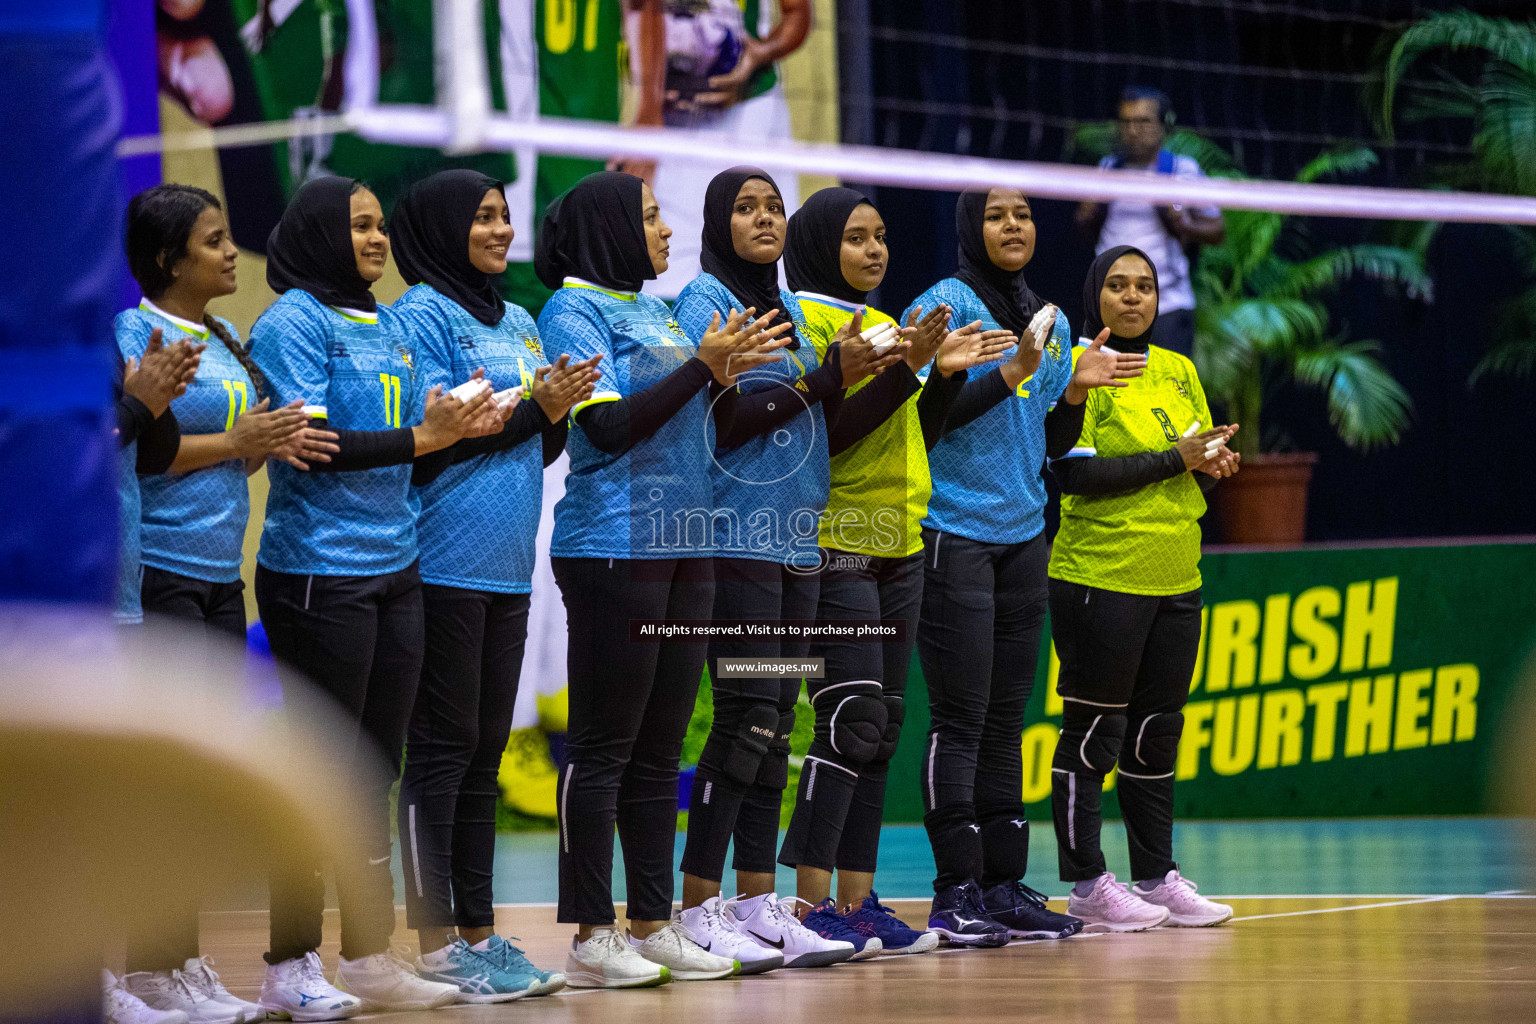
<point x="771" y="492"/>
<point x="126" y="608"/>
<point x="655" y="500"/>
<point x="194" y="523"/>
<point x="479" y="518"/>
<point x="355" y="523"/>
<point x="986" y="474"/>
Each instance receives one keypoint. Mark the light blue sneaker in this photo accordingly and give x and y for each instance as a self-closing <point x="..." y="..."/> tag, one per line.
<point x="478" y="974"/>
<point x="514" y="962"/>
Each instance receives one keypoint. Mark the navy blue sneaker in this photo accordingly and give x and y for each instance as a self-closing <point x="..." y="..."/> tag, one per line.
<point x="958" y="916"/>
<point x="825" y="921"/>
<point x="1024" y="911"/>
<point x="874" y="921"/>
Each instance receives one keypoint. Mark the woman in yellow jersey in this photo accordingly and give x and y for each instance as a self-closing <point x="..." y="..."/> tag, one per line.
<point x="1125" y="606"/>
<point x="871" y="561"/>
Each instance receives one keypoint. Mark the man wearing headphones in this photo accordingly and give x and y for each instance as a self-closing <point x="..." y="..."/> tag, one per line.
<point x="1170" y="235"/>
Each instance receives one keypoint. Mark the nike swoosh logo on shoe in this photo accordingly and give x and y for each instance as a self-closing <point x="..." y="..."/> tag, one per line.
<point x="766" y="942"/>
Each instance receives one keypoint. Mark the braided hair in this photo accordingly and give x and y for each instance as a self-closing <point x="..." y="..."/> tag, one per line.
<point x="160" y="222"/>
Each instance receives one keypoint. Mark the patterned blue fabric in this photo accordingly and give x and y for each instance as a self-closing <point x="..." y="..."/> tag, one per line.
<point x="654" y="500"/>
<point x="194" y="523"/>
<point x="126" y="607"/>
<point x="986" y="475"/>
<point x="478" y="519"/>
<point x="357" y="523"/>
<point x="771" y="492"/>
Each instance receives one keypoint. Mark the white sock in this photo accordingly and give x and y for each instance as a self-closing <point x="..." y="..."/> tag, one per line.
<point x="1084" y="888"/>
<point x="482" y="946"/>
<point x="436" y="958"/>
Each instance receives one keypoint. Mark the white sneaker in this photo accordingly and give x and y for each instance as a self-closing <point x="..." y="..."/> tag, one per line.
<point x="384" y="981"/>
<point x="119" y="1006"/>
<point x="1111" y="907"/>
<point x="607" y="960"/>
<point x="296" y="989"/>
<point x="714" y="933"/>
<point x="771" y="922"/>
<point x="687" y="960"/>
<point x="172" y="990"/>
<point x="201" y="976"/>
<point x="1186" y="907"/>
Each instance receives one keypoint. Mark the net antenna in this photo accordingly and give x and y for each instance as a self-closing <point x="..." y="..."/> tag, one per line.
<point x="464" y="122"/>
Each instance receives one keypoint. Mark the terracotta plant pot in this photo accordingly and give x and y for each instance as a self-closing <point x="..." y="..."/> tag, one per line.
<point x="1266" y="503"/>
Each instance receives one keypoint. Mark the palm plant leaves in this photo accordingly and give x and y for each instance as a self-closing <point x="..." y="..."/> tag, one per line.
<point x="1367" y="407"/>
<point x="1388" y="264"/>
<point x="1508" y="41"/>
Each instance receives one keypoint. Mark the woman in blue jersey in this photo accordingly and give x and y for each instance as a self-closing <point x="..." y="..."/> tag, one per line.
<point x="476" y="529"/>
<point x="194" y="518"/>
<point x="631" y="546"/>
<point x="770" y="487"/>
<point x="337" y="582"/>
<point x="871" y="560"/>
<point x="984" y="591"/>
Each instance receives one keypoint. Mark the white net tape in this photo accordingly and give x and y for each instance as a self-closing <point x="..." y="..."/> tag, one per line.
<point x="467" y="125"/>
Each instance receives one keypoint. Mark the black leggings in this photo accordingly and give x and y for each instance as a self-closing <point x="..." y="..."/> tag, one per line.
<point x="358" y="640"/>
<point x="1126" y="664"/>
<point x="630" y="705"/>
<point x="219" y="609"/>
<point x="859" y="711"/>
<point x="744" y="766"/>
<point x="458" y="731"/>
<point x="979" y="641"/>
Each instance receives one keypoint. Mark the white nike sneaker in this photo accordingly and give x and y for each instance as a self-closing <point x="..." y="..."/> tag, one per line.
<point x="119" y="1006"/>
<point x="687" y="960"/>
<point x="1186" y="907"/>
<point x="201" y="976"/>
<point x="771" y="922"/>
<point x="296" y="989"/>
<point x="1111" y="907"/>
<point x="172" y="990"/>
<point x="607" y="960"/>
<point x="707" y="926"/>
<point x="385" y="981"/>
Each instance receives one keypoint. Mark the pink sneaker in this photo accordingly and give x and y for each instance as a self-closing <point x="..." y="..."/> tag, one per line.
<point x="1186" y="907"/>
<point x="1111" y="907"/>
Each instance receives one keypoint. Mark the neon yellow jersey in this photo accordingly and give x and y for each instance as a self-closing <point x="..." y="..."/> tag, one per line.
<point x="1145" y="541"/>
<point x="880" y="486"/>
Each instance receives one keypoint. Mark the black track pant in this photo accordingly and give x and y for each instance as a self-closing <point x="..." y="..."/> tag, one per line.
<point x="1126" y="665"/>
<point x="630" y="706"/>
<point x="744" y="766"/>
<point x="358" y="640"/>
<point x="458" y="731"/>
<point x="219" y="609"/>
<point x="859" y="710"/>
<point x="979" y="641"/>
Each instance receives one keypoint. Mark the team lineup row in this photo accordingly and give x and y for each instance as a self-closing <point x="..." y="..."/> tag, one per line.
<point x="754" y="453"/>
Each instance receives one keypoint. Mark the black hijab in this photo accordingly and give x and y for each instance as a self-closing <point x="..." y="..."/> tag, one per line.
<point x="1093" y="320"/>
<point x="596" y="231"/>
<point x="311" y="247"/>
<point x="1005" y="294"/>
<point x="813" y="246"/>
<point x="754" y="285"/>
<point x="430" y="231"/>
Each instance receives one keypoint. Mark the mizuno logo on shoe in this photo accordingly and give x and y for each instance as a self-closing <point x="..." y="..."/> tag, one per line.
<point x="305" y="1000"/>
<point x="1018" y="823"/>
<point x="767" y="942"/>
<point x="974" y="828"/>
<point x="963" y="921"/>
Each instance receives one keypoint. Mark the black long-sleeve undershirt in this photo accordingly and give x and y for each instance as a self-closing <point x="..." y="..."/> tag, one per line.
<point x="616" y="427"/>
<point x="1063" y="426"/>
<point x="159" y="437"/>
<point x="870" y="406"/>
<point x="741" y="417"/>
<point x="933" y="406"/>
<point x="1115" y="474"/>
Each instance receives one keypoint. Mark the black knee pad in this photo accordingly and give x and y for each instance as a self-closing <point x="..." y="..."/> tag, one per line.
<point x="754" y="734"/>
<point x="850" y="723"/>
<point x="1090" y="740"/>
<point x="773" y="772"/>
<point x="895" y="713"/>
<point x="1152" y="746"/>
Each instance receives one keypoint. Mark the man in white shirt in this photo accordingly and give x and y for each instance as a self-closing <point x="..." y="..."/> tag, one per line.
<point x="1165" y="233"/>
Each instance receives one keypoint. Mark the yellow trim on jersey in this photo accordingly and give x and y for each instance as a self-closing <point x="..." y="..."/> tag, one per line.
<point x="356" y="316"/>
<point x="199" y="331"/>
<point x="576" y="282"/>
<point x="606" y="396"/>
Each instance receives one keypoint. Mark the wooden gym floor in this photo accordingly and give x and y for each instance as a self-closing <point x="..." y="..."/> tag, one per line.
<point x="1304" y="959"/>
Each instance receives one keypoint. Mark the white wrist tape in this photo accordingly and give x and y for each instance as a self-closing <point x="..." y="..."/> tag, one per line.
<point x="469" y="389"/>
